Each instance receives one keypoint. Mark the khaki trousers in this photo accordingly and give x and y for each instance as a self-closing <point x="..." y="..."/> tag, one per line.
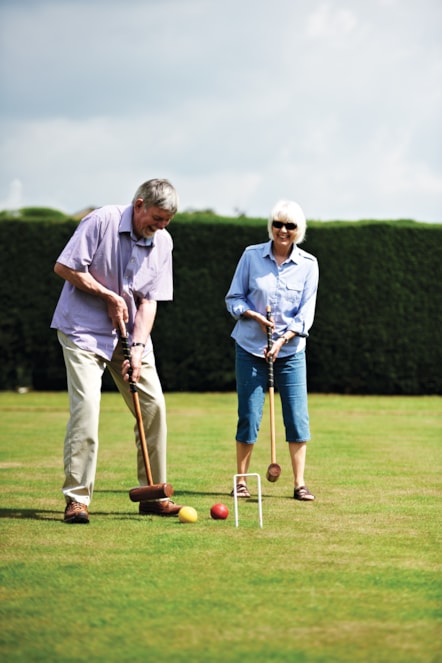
<point x="84" y="375"/>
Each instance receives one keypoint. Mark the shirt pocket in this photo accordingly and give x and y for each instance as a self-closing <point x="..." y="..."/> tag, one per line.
<point x="293" y="292"/>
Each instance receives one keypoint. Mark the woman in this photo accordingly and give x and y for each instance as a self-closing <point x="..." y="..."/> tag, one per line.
<point x="279" y="274"/>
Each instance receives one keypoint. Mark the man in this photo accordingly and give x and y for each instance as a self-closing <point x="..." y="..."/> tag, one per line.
<point x="116" y="266"/>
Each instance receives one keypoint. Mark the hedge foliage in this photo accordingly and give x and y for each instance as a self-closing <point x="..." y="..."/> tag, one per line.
<point x="377" y="325"/>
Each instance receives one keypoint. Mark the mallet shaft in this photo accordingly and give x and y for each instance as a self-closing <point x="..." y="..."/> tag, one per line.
<point x="138" y="415"/>
<point x="271" y="383"/>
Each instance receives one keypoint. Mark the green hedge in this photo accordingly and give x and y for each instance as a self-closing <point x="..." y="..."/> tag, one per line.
<point x="377" y="323"/>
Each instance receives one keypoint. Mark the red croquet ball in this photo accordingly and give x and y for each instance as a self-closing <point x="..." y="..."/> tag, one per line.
<point x="219" y="512"/>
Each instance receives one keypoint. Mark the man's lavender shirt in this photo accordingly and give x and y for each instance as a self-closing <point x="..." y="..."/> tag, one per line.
<point x="135" y="269"/>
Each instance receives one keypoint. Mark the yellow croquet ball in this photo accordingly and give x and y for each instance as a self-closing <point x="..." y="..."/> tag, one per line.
<point x="187" y="514"/>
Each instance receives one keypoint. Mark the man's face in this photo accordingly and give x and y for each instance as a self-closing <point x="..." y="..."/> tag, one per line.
<point x="147" y="221"/>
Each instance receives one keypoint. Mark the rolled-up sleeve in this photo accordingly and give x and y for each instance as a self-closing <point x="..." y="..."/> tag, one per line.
<point x="236" y="301"/>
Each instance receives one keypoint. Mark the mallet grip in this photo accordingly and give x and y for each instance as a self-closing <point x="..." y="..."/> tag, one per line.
<point x="126" y="352"/>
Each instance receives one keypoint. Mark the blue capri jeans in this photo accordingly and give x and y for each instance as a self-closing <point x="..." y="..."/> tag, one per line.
<point x="290" y="377"/>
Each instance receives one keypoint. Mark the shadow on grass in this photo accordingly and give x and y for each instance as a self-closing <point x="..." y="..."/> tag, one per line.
<point x="180" y="497"/>
<point x="40" y="514"/>
<point x="30" y="514"/>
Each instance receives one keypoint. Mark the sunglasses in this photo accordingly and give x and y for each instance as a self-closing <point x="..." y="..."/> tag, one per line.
<point x="282" y="224"/>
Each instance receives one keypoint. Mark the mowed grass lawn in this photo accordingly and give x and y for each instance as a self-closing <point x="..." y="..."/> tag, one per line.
<point x="353" y="577"/>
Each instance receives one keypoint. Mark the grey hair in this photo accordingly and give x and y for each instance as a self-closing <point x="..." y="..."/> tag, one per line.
<point x="158" y="193"/>
<point x="291" y="212"/>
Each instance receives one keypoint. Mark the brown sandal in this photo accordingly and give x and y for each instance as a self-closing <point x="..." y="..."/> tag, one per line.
<point x="241" y="491"/>
<point x="303" y="494"/>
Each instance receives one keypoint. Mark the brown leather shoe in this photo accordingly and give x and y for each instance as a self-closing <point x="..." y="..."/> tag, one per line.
<point x="76" y="512"/>
<point x="162" y="508"/>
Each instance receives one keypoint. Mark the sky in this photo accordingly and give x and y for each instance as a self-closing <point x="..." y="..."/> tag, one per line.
<point x="336" y="104"/>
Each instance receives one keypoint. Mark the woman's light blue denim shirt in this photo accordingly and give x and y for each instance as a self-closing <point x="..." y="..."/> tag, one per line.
<point x="290" y="289"/>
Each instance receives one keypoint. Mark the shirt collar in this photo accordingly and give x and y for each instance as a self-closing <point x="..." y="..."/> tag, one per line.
<point x="267" y="252"/>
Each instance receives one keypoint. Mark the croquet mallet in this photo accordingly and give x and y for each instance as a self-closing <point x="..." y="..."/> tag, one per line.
<point x="151" y="491"/>
<point x="273" y="470"/>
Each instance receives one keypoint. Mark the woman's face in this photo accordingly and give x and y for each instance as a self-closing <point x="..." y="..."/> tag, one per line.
<point x="284" y="236"/>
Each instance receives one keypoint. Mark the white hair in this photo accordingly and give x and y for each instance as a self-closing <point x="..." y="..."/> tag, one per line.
<point x="158" y="193"/>
<point x="290" y="212"/>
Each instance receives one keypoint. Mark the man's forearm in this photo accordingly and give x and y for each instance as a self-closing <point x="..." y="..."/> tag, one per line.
<point x="144" y="320"/>
<point x="84" y="281"/>
<point x="116" y="306"/>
